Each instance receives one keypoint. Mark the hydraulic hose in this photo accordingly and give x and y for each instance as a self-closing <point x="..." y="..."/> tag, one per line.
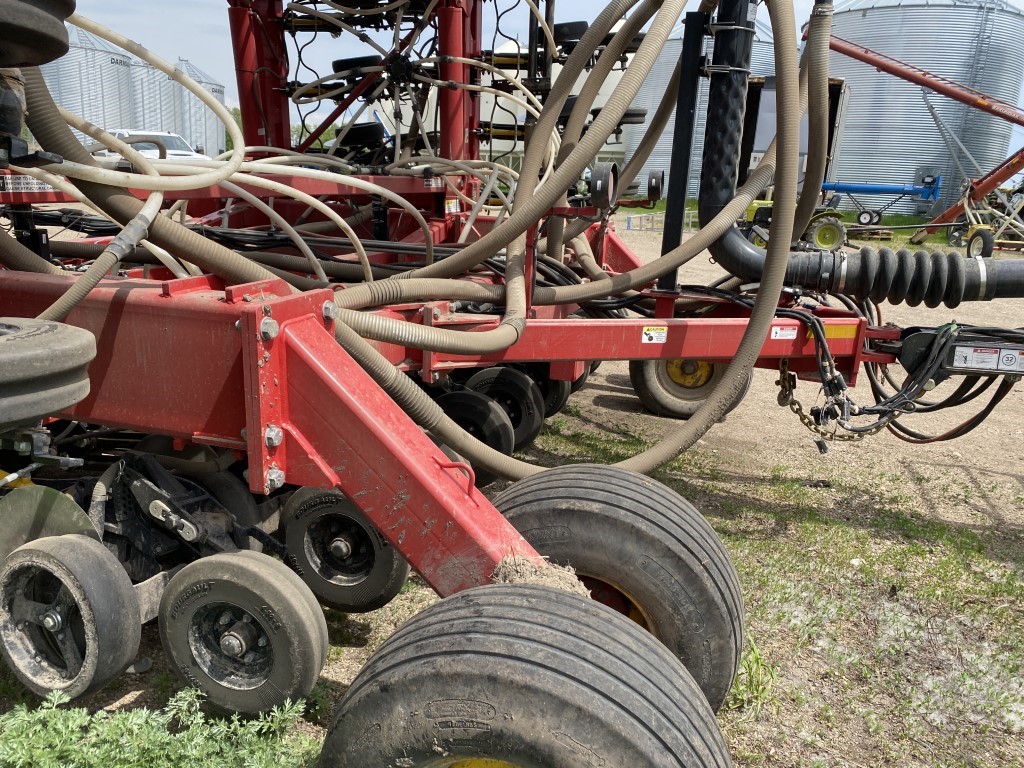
<point x="914" y="277"/>
<point x="14" y="255"/>
<point x="525" y="216"/>
<point x="817" y="51"/>
<point x="53" y="134"/>
<point x="763" y="312"/>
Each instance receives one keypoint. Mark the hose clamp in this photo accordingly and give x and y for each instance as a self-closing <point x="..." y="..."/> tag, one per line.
<point x="844" y="264"/>
<point x="982" y="278"/>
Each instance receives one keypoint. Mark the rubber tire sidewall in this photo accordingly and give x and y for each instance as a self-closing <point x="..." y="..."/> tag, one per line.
<point x="94" y="574"/>
<point x="984" y="241"/>
<point x="282" y="613"/>
<point x="387" y="574"/>
<point x="527" y="675"/>
<point x="650" y="543"/>
<point x="662" y="397"/>
<point x="511" y="382"/>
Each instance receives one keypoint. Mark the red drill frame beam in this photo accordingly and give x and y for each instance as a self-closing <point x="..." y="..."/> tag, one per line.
<point x="188" y="359"/>
<point x="261" y="69"/>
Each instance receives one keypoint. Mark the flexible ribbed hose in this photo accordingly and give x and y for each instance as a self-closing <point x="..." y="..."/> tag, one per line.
<point x="818" y="34"/>
<point x="732" y="384"/>
<point x="526" y="216"/>
<point x="53" y="134"/>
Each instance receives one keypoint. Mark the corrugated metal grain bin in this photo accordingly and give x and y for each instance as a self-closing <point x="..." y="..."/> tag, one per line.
<point x="889" y="135"/>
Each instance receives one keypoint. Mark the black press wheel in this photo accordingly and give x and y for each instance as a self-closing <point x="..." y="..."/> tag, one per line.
<point x="69" y="618"/>
<point x="981" y="244"/>
<point x="643" y="550"/>
<point x="517" y="676"/>
<point x="482" y="418"/>
<point x="338" y="553"/>
<point x="554" y="392"/>
<point x="865" y="218"/>
<point x="239" y="629"/>
<point x="678" y="387"/>
<point x="43" y="368"/>
<point x="518" y="396"/>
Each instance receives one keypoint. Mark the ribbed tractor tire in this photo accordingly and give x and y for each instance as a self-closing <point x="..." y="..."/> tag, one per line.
<point x="43" y="368"/>
<point x="525" y="676"/>
<point x="643" y="549"/>
<point x="658" y="390"/>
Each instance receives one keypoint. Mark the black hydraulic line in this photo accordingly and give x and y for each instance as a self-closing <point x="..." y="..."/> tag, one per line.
<point x="904" y="276"/>
<point x="682" y="141"/>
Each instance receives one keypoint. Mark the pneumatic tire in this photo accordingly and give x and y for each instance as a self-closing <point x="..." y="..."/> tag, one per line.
<point x="642" y="549"/>
<point x="43" y="369"/>
<point x="678" y="387"/>
<point x="981" y="244"/>
<point x="527" y="676"/>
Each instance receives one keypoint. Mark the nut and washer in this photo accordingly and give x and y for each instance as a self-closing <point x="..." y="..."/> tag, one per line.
<point x="269" y="328"/>
<point x="329" y="310"/>
<point x="275" y="478"/>
<point x="273" y="436"/>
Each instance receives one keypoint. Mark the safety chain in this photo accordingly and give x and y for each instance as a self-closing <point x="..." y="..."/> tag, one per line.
<point x="787" y="387"/>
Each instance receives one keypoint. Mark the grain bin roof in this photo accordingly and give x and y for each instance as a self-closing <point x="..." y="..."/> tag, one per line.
<point x="863" y="5"/>
<point x="79" y="38"/>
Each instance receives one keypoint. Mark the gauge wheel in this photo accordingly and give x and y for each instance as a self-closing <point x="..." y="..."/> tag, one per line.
<point x="69" y="618"/>
<point x="826" y="233"/>
<point x="865" y="218"/>
<point x="338" y="553"/>
<point x="981" y="244"/>
<point x="518" y="396"/>
<point x="483" y="419"/>
<point x="554" y="392"/>
<point x="518" y="676"/>
<point x="43" y="369"/>
<point x="239" y="627"/>
<point x="654" y="559"/>
<point x="678" y="387"/>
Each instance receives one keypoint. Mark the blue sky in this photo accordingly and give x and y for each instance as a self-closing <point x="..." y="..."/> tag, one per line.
<point x="197" y="30"/>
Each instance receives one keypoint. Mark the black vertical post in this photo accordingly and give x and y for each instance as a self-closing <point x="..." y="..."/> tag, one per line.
<point x="682" y="140"/>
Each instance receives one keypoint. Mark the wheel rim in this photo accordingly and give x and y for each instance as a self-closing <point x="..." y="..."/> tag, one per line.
<point x="620" y="601"/>
<point x="827" y="236"/>
<point x="339" y="549"/>
<point x="689" y="374"/>
<point x="231" y="646"/>
<point x="47" y="629"/>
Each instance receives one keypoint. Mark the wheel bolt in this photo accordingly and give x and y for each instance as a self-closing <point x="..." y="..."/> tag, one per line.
<point x="341" y="547"/>
<point x="52" y="621"/>
<point x="225" y="619"/>
<point x="232" y="645"/>
<point x="250" y="657"/>
<point x="262" y="642"/>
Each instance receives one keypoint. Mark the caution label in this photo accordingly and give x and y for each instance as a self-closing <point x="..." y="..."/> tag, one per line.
<point x="19" y="182"/>
<point x="655" y="334"/>
<point x="784" y="334"/>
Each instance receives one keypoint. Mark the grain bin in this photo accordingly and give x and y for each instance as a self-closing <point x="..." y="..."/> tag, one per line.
<point x="649" y="96"/>
<point x="93" y="80"/>
<point x="888" y="135"/>
<point x="196" y="121"/>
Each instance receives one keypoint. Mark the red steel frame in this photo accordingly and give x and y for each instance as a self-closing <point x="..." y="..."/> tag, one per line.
<point x="216" y="365"/>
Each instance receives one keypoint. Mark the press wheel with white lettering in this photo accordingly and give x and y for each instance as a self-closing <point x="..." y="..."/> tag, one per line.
<point x="523" y="676"/>
<point x="240" y="627"/>
<point x="678" y="387"/>
<point x="643" y="550"/>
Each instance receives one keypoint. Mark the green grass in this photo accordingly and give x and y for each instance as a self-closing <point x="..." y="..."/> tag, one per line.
<point x="52" y="735"/>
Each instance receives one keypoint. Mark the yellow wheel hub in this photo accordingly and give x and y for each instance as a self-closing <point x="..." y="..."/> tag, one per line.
<point x="690" y="374"/>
